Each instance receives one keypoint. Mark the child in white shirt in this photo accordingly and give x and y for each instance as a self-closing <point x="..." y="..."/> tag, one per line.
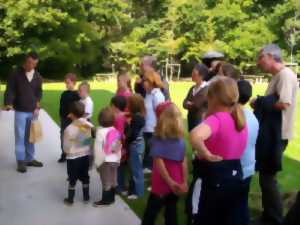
<point x="84" y="90"/>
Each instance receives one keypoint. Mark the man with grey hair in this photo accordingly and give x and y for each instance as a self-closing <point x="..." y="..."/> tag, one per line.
<point x="284" y="86"/>
<point x="149" y="62"/>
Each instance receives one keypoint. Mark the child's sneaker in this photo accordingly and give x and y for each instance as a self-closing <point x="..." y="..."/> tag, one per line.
<point x="147" y="171"/>
<point x="102" y="203"/>
<point x="124" y="193"/>
<point x="68" y="201"/>
<point x="132" y="197"/>
<point x="108" y="198"/>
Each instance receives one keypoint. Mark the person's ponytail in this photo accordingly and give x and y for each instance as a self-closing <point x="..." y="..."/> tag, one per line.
<point x="238" y="117"/>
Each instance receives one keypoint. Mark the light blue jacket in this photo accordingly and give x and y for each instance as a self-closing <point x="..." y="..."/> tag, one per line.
<point x="152" y="100"/>
<point x="248" y="158"/>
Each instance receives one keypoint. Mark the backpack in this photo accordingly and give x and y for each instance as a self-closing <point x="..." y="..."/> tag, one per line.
<point x="112" y="142"/>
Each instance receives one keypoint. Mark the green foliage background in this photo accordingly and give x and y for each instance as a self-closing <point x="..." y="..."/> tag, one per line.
<point x="88" y="36"/>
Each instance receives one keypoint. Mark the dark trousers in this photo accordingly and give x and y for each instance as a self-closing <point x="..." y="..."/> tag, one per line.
<point x="154" y="205"/>
<point x="148" y="161"/>
<point x="221" y="193"/>
<point x="293" y="215"/>
<point x="78" y="169"/>
<point x="218" y="204"/>
<point x="64" y="122"/>
<point x="243" y="211"/>
<point x="193" y="121"/>
<point x="271" y="197"/>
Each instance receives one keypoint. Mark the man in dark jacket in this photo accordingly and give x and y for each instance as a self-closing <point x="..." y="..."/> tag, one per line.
<point x="23" y="94"/>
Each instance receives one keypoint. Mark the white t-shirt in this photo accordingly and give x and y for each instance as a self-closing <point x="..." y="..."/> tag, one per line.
<point x="285" y="85"/>
<point x="89" y="106"/>
<point x="76" y="138"/>
<point x="29" y="75"/>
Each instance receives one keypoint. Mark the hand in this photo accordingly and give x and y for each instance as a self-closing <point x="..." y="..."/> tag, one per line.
<point x="36" y="113"/>
<point x="252" y="103"/>
<point x="211" y="157"/>
<point x="175" y="188"/>
<point x="189" y="104"/>
<point x="138" y="81"/>
<point x="128" y="119"/>
<point x="184" y="188"/>
<point x="8" y="107"/>
<point x="69" y="116"/>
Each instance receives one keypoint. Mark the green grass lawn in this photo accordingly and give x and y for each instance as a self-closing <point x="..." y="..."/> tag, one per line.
<point x="101" y="94"/>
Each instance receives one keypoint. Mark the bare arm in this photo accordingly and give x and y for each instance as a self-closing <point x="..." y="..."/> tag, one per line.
<point x="184" y="186"/>
<point x="197" y="137"/>
<point x="281" y="106"/>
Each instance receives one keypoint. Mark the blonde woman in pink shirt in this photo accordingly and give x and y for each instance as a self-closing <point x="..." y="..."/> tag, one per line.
<point x="219" y="142"/>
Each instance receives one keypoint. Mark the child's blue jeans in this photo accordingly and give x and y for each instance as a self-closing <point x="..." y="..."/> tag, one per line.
<point x="136" y="150"/>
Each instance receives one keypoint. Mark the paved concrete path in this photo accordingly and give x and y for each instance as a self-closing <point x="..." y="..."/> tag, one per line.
<point x="36" y="197"/>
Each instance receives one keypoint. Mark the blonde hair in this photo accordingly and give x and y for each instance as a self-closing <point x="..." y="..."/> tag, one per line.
<point x="225" y="91"/>
<point x="170" y="123"/>
<point x="85" y="84"/>
<point x="153" y="78"/>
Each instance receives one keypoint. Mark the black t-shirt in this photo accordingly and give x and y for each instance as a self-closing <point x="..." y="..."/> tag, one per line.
<point x="66" y="99"/>
<point x="134" y="129"/>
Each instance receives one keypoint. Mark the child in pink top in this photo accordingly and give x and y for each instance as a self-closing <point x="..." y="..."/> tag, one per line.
<point x="118" y="105"/>
<point x="124" y="85"/>
<point x="169" y="174"/>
